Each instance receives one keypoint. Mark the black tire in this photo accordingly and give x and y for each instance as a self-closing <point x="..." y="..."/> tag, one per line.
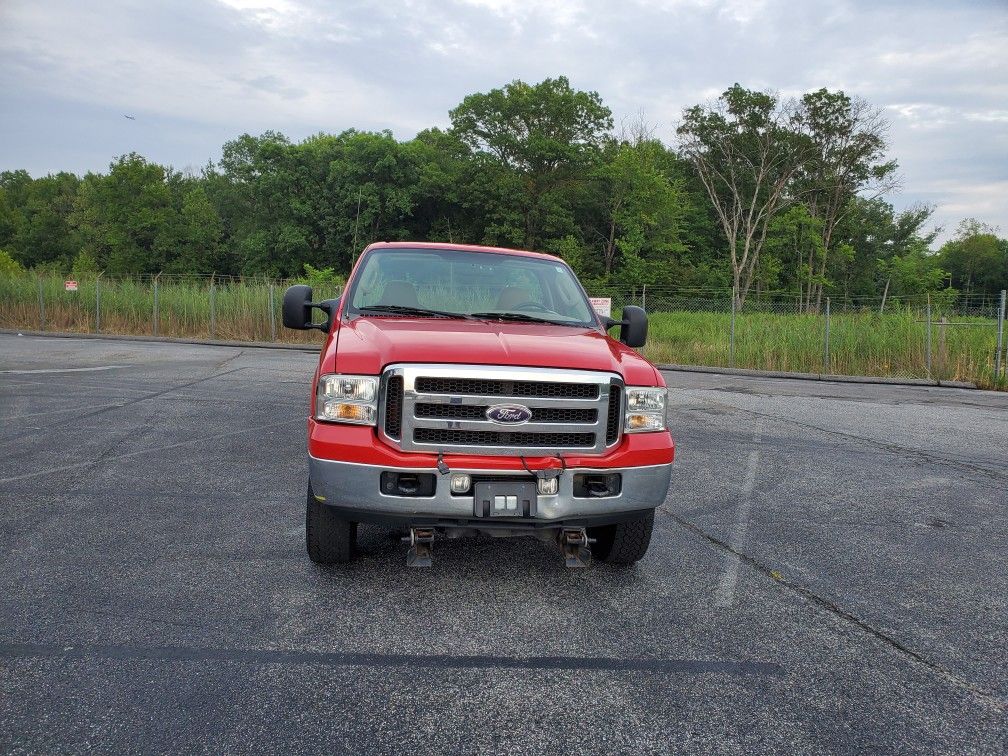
<point x="624" y="542"/>
<point x="329" y="538"/>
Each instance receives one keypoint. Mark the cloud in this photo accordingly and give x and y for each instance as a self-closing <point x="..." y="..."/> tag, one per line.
<point x="196" y="73"/>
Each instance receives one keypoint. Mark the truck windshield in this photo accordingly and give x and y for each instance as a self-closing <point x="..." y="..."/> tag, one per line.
<point x="451" y="283"/>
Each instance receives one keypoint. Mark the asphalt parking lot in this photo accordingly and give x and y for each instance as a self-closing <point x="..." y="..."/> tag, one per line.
<point x="828" y="574"/>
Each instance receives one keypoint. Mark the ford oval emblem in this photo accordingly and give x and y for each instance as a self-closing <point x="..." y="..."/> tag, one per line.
<point x="508" y="414"/>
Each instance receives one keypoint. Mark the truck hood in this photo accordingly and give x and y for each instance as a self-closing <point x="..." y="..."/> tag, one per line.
<point x="367" y="345"/>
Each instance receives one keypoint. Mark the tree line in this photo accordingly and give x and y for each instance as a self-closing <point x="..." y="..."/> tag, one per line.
<point x="757" y="194"/>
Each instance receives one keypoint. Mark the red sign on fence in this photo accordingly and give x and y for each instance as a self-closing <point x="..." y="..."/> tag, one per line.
<point x="70" y="285"/>
<point x="602" y="305"/>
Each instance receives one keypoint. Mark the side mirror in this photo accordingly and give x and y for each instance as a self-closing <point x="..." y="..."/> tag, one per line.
<point x="633" y="327"/>
<point x="297" y="307"/>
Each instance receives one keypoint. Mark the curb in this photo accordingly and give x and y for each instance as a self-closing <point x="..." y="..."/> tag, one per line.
<point x="817" y="376"/>
<point x="168" y="340"/>
<point x="672" y="368"/>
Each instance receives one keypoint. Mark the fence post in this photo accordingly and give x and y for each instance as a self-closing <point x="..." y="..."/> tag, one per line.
<point x="643" y="298"/>
<point x="825" y="356"/>
<point x="731" y="339"/>
<point x="929" y="335"/>
<point x="272" y="307"/>
<point x="156" y="303"/>
<point x="213" y="308"/>
<point x="1000" y="335"/>
<point x="942" y="351"/>
<point x="41" y="306"/>
<point x="97" y="302"/>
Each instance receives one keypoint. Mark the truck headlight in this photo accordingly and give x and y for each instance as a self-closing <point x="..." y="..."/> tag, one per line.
<point x="347" y="399"/>
<point x="645" y="410"/>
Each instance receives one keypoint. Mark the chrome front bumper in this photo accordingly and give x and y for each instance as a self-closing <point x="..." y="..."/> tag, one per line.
<point x="355" y="488"/>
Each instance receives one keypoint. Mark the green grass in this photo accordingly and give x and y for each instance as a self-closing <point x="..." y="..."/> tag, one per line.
<point x="241" y="309"/>
<point x="862" y="343"/>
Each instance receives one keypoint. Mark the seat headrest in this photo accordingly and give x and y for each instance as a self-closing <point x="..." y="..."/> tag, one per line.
<point x="399" y="293"/>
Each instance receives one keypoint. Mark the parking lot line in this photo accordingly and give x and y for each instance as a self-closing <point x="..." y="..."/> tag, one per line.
<point x="95" y="369"/>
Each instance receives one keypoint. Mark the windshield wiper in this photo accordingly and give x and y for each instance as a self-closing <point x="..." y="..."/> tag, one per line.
<point x="421" y="311"/>
<point x="518" y="317"/>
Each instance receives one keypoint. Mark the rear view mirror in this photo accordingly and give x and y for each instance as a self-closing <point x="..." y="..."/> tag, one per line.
<point x="297" y="307"/>
<point x="633" y="327"/>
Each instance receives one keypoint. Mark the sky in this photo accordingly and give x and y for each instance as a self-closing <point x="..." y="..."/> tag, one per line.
<point x="196" y="73"/>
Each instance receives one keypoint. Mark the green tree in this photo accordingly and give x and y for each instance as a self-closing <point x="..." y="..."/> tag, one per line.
<point x="874" y="231"/>
<point x="34" y="217"/>
<point x="120" y="216"/>
<point x="84" y="263"/>
<point x="639" y="212"/>
<point x="793" y="251"/>
<point x="438" y="214"/>
<point x="914" y="272"/>
<point x="8" y="265"/>
<point x="976" y="259"/>
<point x="847" y="139"/>
<point x="15" y="190"/>
<point x="197" y="247"/>
<point x="257" y="201"/>
<point x="534" y="141"/>
<point x="746" y="150"/>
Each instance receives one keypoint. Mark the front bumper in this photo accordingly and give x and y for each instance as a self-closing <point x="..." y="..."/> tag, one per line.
<point x="354" y="489"/>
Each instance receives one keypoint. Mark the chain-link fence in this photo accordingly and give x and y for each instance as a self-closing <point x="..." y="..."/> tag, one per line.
<point x="196" y="307"/>
<point x="943" y="336"/>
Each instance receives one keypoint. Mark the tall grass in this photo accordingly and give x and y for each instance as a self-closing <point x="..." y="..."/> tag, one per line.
<point x="893" y="344"/>
<point x="867" y="343"/>
<point x="240" y="309"/>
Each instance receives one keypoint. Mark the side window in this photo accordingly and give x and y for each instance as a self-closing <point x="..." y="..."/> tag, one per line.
<point x="567" y="297"/>
<point x="370" y="287"/>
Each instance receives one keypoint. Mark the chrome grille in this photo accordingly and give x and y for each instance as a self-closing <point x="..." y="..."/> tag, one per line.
<point x="506" y="388"/>
<point x="393" y="414"/>
<point x="501" y="438"/>
<point x="478" y="412"/>
<point x="444" y="408"/>
<point x="615" y="418"/>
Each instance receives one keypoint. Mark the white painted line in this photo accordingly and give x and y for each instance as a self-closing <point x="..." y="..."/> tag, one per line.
<point x="725" y="595"/>
<point x="64" y="370"/>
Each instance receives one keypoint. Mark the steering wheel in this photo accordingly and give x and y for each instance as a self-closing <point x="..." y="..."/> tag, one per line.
<point x="533" y="306"/>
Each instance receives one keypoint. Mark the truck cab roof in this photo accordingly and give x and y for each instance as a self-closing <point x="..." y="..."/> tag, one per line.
<point x="413" y="246"/>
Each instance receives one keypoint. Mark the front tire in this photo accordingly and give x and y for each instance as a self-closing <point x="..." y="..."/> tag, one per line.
<point x="330" y="539"/>
<point x="623" y="543"/>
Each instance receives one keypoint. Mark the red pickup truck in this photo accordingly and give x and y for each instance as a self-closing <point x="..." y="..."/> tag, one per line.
<point x="465" y="389"/>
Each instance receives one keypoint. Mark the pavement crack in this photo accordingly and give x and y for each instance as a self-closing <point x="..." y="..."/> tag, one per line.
<point x="849" y="617"/>
<point x="269" y="428"/>
<point x="137" y="400"/>
<point x="385" y="660"/>
<point x="919" y="454"/>
<point x="232" y="358"/>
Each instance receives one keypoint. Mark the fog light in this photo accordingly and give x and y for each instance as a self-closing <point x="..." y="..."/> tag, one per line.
<point x="644" y="421"/>
<point x="363" y="414"/>
<point x="460" y="483"/>
<point x="548" y="486"/>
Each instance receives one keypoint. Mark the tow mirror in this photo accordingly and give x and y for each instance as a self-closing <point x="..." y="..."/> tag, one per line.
<point x="297" y="307"/>
<point x="633" y="327"/>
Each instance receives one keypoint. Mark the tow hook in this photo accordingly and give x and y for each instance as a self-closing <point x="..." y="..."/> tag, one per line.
<point x="421" y="550"/>
<point x="574" y="543"/>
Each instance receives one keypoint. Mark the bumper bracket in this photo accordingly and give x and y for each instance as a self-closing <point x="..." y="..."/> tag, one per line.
<point x="421" y="550"/>
<point x="574" y="543"/>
